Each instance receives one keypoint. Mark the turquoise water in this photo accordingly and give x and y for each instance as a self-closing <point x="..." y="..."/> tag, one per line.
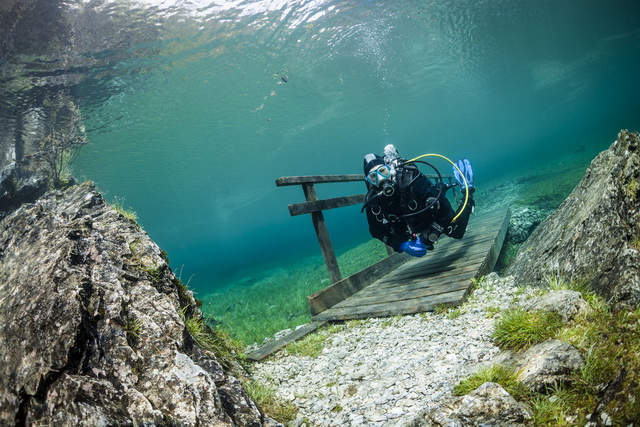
<point x="191" y="127"/>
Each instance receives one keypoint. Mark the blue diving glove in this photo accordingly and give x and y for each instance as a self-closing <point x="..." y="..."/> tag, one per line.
<point x="414" y="248"/>
<point x="465" y="168"/>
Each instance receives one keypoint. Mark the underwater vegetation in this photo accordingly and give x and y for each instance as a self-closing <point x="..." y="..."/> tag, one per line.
<point x="608" y="338"/>
<point x="250" y="310"/>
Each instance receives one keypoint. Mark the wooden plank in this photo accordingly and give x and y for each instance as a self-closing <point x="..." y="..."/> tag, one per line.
<point x="390" y="309"/>
<point x="343" y="289"/>
<point x="317" y="179"/>
<point x="494" y="253"/>
<point x="322" y="232"/>
<point x="321" y="179"/>
<point x="420" y="281"/>
<point x="278" y="344"/>
<point x="417" y="290"/>
<point x="325" y="204"/>
<point x="441" y="263"/>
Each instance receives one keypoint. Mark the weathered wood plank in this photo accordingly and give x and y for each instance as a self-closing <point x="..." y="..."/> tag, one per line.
<point x="278" y="344"/>
<point x="318" y="179"/>
<point x="321" y="179"/>
<point x="494" y="253"/>
<point x="441" y="266"/>
<point x="429" y="303"/>
<point x="343" y="289"/>
<point x="322" y="232"/>
<point x="418" y="290"/>
<point x="419" y="282"/>
<point x="325" y="204"/>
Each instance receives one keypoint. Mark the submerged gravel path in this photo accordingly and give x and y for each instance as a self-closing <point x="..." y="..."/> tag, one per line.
<point x="383" y="372"/>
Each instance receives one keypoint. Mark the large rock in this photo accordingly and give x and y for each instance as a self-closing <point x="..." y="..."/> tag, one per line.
<point x="488" y="405"/>
<point x="594" y="235"/>
<point x="548" y="364"/>
<point x="92" y="328"/>
<point x="19" y="186"/>
<point x="567" y="304"/>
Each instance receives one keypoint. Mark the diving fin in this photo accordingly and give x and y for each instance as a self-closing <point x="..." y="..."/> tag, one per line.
<point x="465" y="167"/>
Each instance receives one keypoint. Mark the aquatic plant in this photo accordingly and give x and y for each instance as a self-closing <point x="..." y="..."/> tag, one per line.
<point x="227" y="350"/>
<point x="312" y="344"/>
<point x="118" y="206"/>
<point x="518" y="328"/>
<point x="132" y="331"/>
<point x="265" y="397"/>
<point x="631" y="190"/>
<point x="498" y="374"/>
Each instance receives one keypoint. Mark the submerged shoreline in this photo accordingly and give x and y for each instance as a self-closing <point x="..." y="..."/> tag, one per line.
<point x="386" y="371"/>
<point x="276" y="301"/>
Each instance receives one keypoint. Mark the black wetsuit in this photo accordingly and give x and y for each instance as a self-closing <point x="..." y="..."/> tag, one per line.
<point x="414" y="208"/>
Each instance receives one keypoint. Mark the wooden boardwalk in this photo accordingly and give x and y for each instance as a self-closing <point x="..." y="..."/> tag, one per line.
<point x="441" y="278"/>
<point x="401" y="284"/>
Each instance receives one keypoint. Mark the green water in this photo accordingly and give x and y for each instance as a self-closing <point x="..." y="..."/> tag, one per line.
<point x="192" y="127"/>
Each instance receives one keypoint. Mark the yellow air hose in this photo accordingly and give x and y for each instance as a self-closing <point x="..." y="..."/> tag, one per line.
<point x="466" y="184"/>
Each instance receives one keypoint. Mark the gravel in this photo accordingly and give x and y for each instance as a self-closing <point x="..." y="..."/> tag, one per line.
<point x="384" y="371"/>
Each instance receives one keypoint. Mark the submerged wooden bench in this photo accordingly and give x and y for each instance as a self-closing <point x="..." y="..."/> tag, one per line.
<point x="398" y="284"/>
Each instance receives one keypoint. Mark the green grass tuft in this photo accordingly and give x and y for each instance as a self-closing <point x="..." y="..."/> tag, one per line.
<point x="498" y="374"/>
<point x="265" y="397"/>
<point x="518" y="328"/>
<point x="118" y="206"/>
<point x="227" y="350"/>
<point x="132" y="331"/>
<point x="312" y="344"/>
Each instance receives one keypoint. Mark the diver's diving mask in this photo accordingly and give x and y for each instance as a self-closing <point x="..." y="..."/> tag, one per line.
<point x="378" y="174"/>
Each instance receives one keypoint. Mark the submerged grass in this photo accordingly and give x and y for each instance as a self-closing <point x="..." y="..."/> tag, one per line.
<point x="312" y="344"/>
<point x="261" y="304"/>
<point x="519" y="328"/>
<point x="606" y="387"/>
<point x="499" y="374"/>
<point x="277" y="300"/>
<point x="265" y="397"/>
<point x="227" y="350"/>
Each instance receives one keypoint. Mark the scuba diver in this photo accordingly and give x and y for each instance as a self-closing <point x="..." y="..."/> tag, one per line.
<point x="408" y="212"/>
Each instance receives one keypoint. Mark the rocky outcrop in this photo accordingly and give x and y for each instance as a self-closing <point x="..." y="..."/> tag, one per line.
<point x="92" y="325"/>
<point x="19" y="186"/>
<point x="594" y="236"/>
<point x="550" y="363"/>
<point x="522" y="223"/>
<point x="488" y="405"/>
